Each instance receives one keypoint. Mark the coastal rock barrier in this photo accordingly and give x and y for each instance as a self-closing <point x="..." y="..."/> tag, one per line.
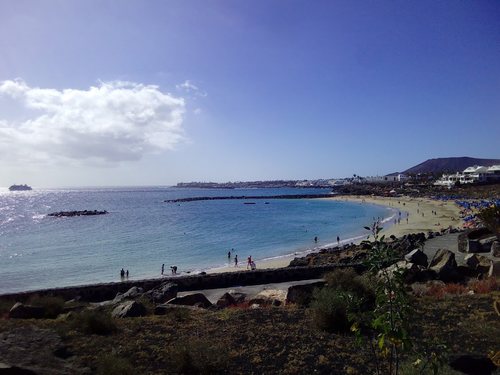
<point x="236" y="197"/>
<point x="77" y="213"/>
<point x="108" y="291"/>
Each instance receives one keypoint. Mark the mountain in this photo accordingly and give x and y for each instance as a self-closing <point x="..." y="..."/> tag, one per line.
<point x="449" y="165"/>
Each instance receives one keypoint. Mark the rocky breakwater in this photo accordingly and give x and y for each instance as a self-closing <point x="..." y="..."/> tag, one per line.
<point x="77" y="213"/>
<point x="356" y="254"/>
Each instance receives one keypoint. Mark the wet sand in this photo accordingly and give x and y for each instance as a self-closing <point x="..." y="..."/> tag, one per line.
<point x="447" y="214"/>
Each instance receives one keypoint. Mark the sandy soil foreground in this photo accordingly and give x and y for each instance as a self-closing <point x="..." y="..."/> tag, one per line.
<point x="420" y="219"/>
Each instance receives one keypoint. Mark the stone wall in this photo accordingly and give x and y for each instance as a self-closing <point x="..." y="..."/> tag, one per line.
<point x="102" y="292"/>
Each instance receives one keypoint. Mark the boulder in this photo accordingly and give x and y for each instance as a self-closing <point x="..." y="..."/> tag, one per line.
<point x="269" y="297"/>
<point x="471" y="261"/>
<point x="195" y="299"/>
<point x="494" y="270"/>
<point x="21" y="311"/>
<point x="409" y="271"/>
<point x="130" y="309"/>
<point x="6" y="369"/>
<point x="495" y="249"/>
<point x="163" y="293"/>
<point x="472" y="364"/>
<point x="226" y="300"/>
<point x="418" y="257"/>
<point x="302" y="294"/>
<point x="445" y="265"/>
<point x="133" y="292"/>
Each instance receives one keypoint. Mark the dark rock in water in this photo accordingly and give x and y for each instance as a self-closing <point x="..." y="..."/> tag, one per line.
<point x="473" y="364"/>
<point x="195" y="299"/>
<point x="129" y="309"/>
<point x="20" y="311"/>
<point x="77" y="213"/>
<point x="302" y="294"/>
<point x="163" y="293"/>
<point x="445" y="265"/>
<point x="417" y="256"/>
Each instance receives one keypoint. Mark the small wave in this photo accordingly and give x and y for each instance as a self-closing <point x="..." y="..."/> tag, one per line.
<point x="9" y="219"/>
<point x="38" y="217"/>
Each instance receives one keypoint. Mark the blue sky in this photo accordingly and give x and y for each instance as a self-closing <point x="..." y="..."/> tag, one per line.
<point x="157" y="92"/>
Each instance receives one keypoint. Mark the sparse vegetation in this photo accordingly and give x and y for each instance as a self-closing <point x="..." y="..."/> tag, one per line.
<point x="53" y="306"/>
<point x="114" y="365"/>
<point x="94" y="322"/>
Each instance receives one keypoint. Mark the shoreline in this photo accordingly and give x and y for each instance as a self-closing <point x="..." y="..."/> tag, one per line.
<point x="447" y="214"/>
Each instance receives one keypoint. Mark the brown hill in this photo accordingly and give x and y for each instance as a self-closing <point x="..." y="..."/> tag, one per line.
<point x="449" y="165"/>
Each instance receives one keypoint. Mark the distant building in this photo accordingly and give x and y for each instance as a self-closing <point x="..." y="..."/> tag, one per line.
<point x="395" y="177"/>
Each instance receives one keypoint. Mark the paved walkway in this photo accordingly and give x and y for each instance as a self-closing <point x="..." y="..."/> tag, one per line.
<point x="450" y="242"/>
<point x="214" y="294"/>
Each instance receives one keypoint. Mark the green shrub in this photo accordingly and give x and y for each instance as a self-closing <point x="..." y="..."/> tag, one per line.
<point x="113" y="365"/>
<point x="94" y="322"/>
<point x="53" y="305"/>
<point x="360" y="286"/>
<point x="329" y="310"/>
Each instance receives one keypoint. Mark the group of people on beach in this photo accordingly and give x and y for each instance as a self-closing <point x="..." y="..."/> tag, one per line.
<point x="250" y="263"/>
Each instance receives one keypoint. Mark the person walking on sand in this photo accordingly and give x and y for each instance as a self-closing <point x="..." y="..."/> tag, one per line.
<point x="236" y="260"/>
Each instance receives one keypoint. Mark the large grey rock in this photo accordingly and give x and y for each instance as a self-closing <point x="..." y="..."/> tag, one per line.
<point x="163" y="293"/>
<point x="133" y="292"/>
<point x="494" y="270"/>
<point x="495" y="249"/>
<point x="417" y="257"/>
<point x="409" y="271"/>
<point x="269" y="297"/>
<point x="21" y="311"/>
<point x="195" y="299"/>
<point x="445" y="265"/>
<point x="230" y="299"/>
<point x="130" y="309"/>
<point x="302" y="294"/>
<point x="6" y="369"/>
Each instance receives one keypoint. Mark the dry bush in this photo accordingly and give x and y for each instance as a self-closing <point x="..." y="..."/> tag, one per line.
<point x="94" y="322"/>
<point x="53" y="306"/>
<point x="484" y="286"/>
<point x="113" y="365"/>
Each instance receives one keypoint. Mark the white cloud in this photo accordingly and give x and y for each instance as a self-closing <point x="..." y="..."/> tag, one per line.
<point x="191" y="88"/>
<point x="112" y="122"/>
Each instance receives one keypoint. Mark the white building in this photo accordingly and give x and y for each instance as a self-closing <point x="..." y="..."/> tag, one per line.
<point x="471" y="175"/>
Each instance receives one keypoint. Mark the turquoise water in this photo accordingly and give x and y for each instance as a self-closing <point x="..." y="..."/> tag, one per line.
<point x="141" y="232"/>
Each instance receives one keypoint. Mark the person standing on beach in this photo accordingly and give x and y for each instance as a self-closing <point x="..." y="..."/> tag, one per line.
<point x="316" y="239"/>
<point x="236" y="260"/>
<point x="229" y="255"/>
<point x="338" y="240"/>
<point x="126" y="274"/>
<point x="249" y="261"/>
<point x="122" y="273"/>
<point x="162" y="268"/>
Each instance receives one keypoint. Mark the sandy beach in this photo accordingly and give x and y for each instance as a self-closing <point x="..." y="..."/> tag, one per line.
<point x="420" y="219"/>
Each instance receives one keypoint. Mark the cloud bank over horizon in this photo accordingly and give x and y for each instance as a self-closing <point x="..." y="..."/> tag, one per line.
<point x="107" y="124"/>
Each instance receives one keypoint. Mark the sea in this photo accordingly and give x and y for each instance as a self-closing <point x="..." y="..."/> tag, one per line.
<point x="141" y="232"/>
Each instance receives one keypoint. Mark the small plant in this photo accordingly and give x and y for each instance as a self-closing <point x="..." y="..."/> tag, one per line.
<point x="388" y="335"/>
<point x="94" y="322"/>
<point x="197" y="356"/>
<point x="346" y="297"/>
<point x="113" y="365"/>
<point x="329" y="310"/>
<point x="53" y="306"/>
